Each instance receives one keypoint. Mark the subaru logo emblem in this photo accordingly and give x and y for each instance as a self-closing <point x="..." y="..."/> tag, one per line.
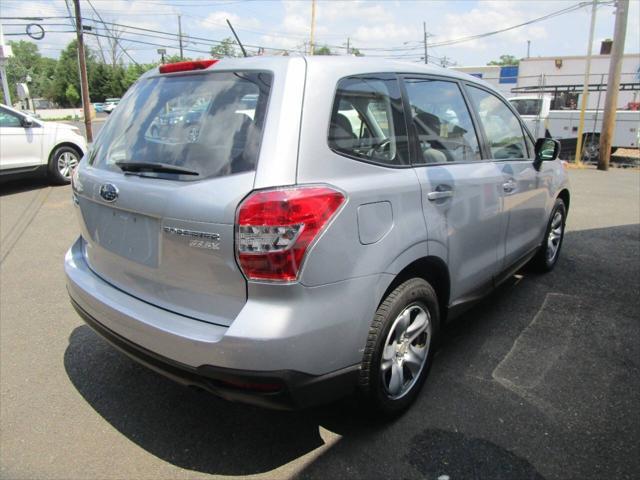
<point x="109" y="192"/>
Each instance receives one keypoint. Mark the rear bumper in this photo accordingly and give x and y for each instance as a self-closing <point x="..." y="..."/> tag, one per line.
<point x="306" y="341"/>
<point x="282" y="390"/>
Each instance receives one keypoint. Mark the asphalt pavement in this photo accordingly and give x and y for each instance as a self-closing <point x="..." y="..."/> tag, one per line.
<point x="540" y="380"/>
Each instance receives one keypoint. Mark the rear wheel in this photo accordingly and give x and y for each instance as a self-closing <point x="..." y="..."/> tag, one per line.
<point x="400" y="347"/>
<point x="62" y="163"/>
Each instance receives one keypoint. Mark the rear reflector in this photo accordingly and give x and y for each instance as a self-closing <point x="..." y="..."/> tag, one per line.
<point x="276" y="227"/>
<point x="254" y="387"/>
<point x="186" y="66"/>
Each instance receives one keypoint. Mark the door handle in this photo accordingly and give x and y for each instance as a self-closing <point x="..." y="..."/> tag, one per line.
<point x="439" y="194"/>
<point x="509" y="186"/>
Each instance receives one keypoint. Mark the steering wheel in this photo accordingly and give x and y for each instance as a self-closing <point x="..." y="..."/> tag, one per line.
<point x="379" y="148"/>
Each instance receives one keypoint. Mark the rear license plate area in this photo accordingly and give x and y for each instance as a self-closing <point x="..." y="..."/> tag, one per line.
<point x="127" y="234"/>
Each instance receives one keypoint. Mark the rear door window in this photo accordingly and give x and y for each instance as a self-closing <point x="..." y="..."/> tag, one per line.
<point x="441" y="122"/>
<point x="367" y="120"/>
<point x="209" y="123"/>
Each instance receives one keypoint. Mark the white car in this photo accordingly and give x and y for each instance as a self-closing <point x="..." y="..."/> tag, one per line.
<point x="31" y="146"/>
<point x="110" y="104"/>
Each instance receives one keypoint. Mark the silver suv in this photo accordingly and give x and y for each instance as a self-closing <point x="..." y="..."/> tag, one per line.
<point x="300" y="228"/>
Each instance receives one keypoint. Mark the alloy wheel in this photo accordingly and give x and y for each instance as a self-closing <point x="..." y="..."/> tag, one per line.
<point x="555" y="236"/>
<point x="67" y="161"/>
<point x="406" y="350"/>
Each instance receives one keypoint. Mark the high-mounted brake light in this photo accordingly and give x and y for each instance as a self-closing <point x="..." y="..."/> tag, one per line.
<point x="276" y="227"/>
<point x="186" y="66"/>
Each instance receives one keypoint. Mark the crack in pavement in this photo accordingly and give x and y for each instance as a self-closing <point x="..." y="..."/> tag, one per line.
<point x="21" y="225"/>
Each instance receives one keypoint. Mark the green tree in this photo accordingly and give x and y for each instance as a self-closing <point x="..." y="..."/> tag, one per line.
<point x="226" y="48"/>
<point x="133" y="72"/>
<point x="43" y="81"/>
<point x="356" y="52"/>
<point x="324" y="50"/>
<point x="99" y="76"/>
<point x="26" y="60"/>
<point x="175" y="58"/>
<point x="116" y="85"/>
<point x="505" y="60"/>
<point x="66" y="73"/>
<point x="72" y="96"/>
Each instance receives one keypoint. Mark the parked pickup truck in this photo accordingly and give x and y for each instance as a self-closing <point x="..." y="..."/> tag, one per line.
<point x="563" y="125"/>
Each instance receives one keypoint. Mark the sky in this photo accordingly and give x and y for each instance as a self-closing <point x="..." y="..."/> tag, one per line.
<point x="388" y="29"/>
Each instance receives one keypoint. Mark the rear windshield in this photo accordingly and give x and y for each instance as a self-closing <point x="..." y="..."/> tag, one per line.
<point x="210" y="124"/>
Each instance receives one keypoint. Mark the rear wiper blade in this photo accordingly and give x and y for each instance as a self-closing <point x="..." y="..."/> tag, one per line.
<point x="153" y="167"/>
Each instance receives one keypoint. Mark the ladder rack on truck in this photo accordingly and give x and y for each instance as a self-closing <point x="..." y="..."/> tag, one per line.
<point x="537" y="106"/>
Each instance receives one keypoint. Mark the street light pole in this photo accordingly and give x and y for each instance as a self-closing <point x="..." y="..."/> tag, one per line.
<point x="84" y="82"/>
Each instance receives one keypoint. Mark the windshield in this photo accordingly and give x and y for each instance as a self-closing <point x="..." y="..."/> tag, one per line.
<point x="210" y="124"/>
<point x="527" y="106"/>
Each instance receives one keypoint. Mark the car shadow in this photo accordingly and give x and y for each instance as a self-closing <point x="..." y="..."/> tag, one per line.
<point x="13" y="186"/>
<point x="186" y="427"/>
<point x="454" y="428"/>
<point x="197" y="431"/>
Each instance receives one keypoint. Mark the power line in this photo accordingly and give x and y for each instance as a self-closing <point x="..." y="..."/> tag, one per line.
<point x="453" y="41"/>
<point x="398" y="52"/>
<point x="145" y="43"/>
<point x="191" y="38"/>
<point x="563" y="11"/>
<point x="116" y="39"/>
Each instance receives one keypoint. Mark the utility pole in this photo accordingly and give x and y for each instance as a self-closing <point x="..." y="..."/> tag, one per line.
<point x="426" y="54"/>
<point x="348" y="45"/>
<point x="529" y="48"/>
<point x="313" y="27"/>
<point x="585" y="88"/>
<point x="613" y="83"/>
<point x="84" y="82"/>
<point x="180" y="35"/>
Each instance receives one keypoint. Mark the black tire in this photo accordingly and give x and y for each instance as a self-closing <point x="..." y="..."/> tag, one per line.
<point x="372" y="388"/>
<point x="543" y="261"/>
<point x="57" y="175"/>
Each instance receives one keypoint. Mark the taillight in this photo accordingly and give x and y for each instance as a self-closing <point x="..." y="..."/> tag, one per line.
<point x="276" y="227"/>
<point x="186" y="66"/>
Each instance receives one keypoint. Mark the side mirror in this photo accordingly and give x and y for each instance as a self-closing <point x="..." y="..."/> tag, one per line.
<point x="27" y="122"/>
<point x="546" y="149"/>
